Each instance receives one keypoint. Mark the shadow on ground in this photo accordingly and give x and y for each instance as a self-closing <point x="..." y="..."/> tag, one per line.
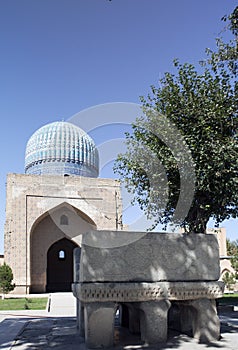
<point x="61" y="333"/>
<point x="47" y="333"/>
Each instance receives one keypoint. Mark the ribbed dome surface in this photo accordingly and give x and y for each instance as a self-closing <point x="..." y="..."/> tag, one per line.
<point x="61" y="148"/>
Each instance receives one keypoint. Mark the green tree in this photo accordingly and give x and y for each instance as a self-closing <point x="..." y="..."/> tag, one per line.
<point x="229" y="280"/>
<point x="232" y="250"/>
<point x="227" y="53"/>
<point x="202" y="106"/>
<point x="6" y="277"/>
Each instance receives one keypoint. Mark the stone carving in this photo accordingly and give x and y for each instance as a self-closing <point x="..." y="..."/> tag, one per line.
<point x="167" y="269"/>
<point x="134" y="292"/>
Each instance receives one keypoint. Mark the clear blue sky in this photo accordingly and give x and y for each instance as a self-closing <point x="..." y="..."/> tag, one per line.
<point x="59" y="57"/>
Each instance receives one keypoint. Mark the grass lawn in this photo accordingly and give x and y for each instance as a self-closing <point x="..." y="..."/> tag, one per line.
<point x="23" y="304"/>
<point x="229" y="299"/>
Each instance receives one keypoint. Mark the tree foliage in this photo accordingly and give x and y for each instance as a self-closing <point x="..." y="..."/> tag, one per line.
<point x="202" y="105"/>
<point x="229" y="280"/>
<point x="232" y="250"/>
<point x="227" y="53"/>
<point x="6" y="277"/>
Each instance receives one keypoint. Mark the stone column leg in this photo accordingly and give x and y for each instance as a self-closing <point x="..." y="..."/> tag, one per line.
<point x="124" y="316"/>
<point x="134" y="319"/>
<point x="153" y="321"/>
<point x="186" y="319"/>
<point x="76" y="256"/>
<point x="80" y="318"/>
<point x="206" y="324"/>
<point x="99" y="324"/>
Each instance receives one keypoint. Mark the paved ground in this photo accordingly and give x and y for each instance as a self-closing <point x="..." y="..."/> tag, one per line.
<point x="56" y="330"/>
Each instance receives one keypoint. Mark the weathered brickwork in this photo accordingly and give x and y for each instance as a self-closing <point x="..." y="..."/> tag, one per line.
<point x="34" y="207"/>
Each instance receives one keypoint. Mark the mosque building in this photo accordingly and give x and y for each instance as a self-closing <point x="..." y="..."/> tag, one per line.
<point x="50" y="206"/>
<point x="59" y="198"/>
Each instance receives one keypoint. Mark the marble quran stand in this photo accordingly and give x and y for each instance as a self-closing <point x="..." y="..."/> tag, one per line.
<point x="146" y="273"/>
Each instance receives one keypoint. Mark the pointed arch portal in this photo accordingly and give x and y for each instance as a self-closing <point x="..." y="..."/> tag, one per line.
<point x="54" y="235"/>
<point x="60" y="266"/>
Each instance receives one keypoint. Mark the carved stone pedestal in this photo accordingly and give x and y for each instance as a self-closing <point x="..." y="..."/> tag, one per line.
<point x="153" y="321"/>
<point x="206" y="324"/>
<point x="143" y="274"/>
<point x="148" y="305"/>
<point x="99" y="324"/>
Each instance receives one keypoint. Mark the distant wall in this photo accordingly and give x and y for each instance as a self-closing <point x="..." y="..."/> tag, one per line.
<point x="225" y="263"/>
<point x="1" y="259"/>
<point x="220" y="232"/>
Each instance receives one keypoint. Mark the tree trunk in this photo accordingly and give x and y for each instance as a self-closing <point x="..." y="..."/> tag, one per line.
<point x="198" y="226"/>
<point x="197" y="221"/>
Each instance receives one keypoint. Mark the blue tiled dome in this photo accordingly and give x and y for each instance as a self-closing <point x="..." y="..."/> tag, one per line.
<point x="61" y="148"/>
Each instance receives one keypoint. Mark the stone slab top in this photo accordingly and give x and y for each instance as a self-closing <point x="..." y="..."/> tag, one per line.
<point x="125" y="256"/>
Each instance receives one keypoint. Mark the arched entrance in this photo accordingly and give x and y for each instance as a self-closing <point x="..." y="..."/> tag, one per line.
<point x="60" y="266"/>
<point x="63" y="223"/>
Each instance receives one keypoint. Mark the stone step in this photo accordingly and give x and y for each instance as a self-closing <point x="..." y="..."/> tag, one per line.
<point x="62" y="304"/>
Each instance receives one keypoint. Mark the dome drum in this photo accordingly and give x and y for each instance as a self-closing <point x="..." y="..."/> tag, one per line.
<point x="62" y="169"/>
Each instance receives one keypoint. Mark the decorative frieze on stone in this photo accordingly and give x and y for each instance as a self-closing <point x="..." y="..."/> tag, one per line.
<point x="136" y="292"/>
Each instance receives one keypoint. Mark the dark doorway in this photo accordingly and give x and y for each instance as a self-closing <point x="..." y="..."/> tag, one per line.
<point x="60" y="266"/>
